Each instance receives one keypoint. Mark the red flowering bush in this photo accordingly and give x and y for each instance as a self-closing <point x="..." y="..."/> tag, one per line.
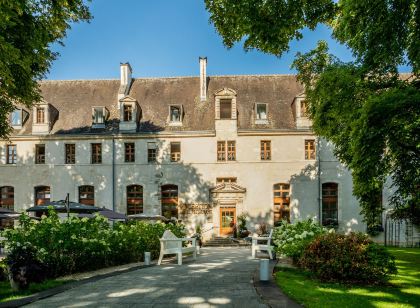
<point x="348" y="258"/>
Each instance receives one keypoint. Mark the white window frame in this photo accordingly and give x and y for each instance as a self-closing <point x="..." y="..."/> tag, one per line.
<point x="181" y="110"/>
<point x="261" y="121"/>
<point x="105" y="115"/>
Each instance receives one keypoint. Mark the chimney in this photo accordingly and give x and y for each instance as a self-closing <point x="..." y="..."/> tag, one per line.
<point x="203" y="78"/>
<point x="125" y="69"/>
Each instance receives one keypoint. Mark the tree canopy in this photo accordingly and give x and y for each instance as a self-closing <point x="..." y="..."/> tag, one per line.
<point x="369" y="111"/>
<point x="27" y="30"/>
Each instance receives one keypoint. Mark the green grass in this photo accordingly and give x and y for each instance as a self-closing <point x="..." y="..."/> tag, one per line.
<point x="403" y="290"/>
<point x="7" y="294"/>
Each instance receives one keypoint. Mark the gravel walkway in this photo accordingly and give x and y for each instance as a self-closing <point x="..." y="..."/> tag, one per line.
<point x="220" y="277"/>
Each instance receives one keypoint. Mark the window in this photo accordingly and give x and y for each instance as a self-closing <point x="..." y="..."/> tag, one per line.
<point x="226" y="150"/>
<point x="128" y="113"/>
<point x="87" y="194"/>
<point x="96" y="154"/>
<point x="151" y="152"/>
<point x="7" y="197"/>
<point x="40" y="115"/>
<point x="70" y="154"/>
<point x="303" y="109"/>
<point x="40" y="154"/>
<point x="265" y="150"/>
<point x="134" y="199"/>
<point x="16" y="117"/>
<point x="261" y="111"/>
<point x="98" y="116"/>
<point x="309" y="149"/>
<point x="169" y="200"/>
<point x="11" y="155"/>
<point x="281" y="193"/>
<point x="175" y="151"/>
<point x="225" y="180"/>
<point x="330" y="204"/>
<point x="42" y="195"/>
<point x="175" y="113"/>
<point x="225" y="109"/>
<point x="129" y="154"/>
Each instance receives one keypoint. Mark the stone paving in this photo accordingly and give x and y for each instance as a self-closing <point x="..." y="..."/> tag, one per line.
<point x="220" y="277"/>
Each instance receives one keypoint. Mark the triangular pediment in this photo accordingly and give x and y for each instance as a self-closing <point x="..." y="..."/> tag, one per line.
<point x="128" y="98"/>
<point x="225" y="92"/>
<point x="228" y="188"/>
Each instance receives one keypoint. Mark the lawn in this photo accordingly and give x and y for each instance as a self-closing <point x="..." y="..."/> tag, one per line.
<point x="403" y="291"/>
<point x="7" y="294"/>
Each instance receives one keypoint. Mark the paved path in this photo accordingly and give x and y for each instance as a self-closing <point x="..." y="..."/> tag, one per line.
<point x="220" y="277"/>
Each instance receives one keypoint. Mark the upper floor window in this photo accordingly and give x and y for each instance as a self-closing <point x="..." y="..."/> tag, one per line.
<point x="265" y="150"/>
<point x="330" y="204"/>
<point x="87" y="194"/>
<point x="151" y="152"/>
<point x="7" y="197"/>
<point x="40" y="154"/>
<point x="16" y="117"/>
<point x="134" y="199"/>
<point x="42" y="195"/>
<point x="261" y="111"/>
<point x="226" y="150"/>
<point x="40" y="115"/>
<point x="128" y="113"/>
<point x="175" y="114"/>
<point x="130" y="154"/>
<point x="175" y="151"/>
<point x="310" y="149"/>
<point x="225" y="180"/>
<point x="96" y="153"/>
<point x="11" y="155"/>
<point x="70" y="154"/>
<point x="303" y="108"/>
<point x="225" y="109"/>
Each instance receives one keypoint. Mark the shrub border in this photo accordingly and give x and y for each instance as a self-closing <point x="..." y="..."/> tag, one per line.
<point x="67" y="286"/>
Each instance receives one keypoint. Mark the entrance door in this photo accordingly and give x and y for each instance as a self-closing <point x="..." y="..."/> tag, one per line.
<point x="227" y="220"/>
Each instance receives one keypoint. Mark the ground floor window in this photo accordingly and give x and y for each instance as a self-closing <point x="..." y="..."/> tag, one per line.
<point x="330" y="204"/>
<point x="42" y="195"/>
<point x="169" y="200"/>
<point x="281" y="193"/>
<point x="134" y="199"/>
<point x="87" y="195"/>
<point x="7" y="197"/>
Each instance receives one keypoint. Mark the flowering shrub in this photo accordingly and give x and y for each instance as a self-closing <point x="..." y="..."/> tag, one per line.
<point x="292" y="239"/>
<point x="348" y="258"/>
<point x="76" y="244"/>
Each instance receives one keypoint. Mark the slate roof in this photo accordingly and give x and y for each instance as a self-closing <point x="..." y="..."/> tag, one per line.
<point x="74" y="100"/>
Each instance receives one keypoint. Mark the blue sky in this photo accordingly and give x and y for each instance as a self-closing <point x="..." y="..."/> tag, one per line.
<point x="164" y="38"/>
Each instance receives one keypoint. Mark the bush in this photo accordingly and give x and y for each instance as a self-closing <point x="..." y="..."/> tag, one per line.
<point x="76" y="245"/>
<point x="292" y="239"/>
<point x="348" y="258"/>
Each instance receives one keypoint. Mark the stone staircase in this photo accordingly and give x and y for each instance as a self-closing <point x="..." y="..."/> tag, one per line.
<point x="225" y="242"/>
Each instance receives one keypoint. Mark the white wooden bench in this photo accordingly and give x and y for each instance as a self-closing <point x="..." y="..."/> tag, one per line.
<point x="262" y="247"/>
<point x="170" y="244"/>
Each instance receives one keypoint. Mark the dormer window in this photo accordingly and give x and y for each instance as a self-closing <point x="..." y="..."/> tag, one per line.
<point x="40" y="115"/>
<point x="17" y="118"/>
<point x="175" y="115"/>
<point x="128" y="113"/>
<point x="303" y="108"/>
<point x="300" y="112"/>
<point x="99" y="115"/>
<point x="261" y="113"/>
<point x="226" y="109"/>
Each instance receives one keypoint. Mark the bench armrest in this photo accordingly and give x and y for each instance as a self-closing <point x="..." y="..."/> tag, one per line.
<point x="261" y="238"/>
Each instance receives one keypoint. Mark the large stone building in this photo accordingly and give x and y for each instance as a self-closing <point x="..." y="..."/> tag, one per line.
<point x="204" y="149"/>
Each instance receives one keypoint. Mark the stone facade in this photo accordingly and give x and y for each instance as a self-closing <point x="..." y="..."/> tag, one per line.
<point x="201" y="197"/>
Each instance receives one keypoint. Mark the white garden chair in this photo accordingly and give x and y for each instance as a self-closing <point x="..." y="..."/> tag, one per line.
<point x="170" y="244"/>
<point x="262" y="247"/>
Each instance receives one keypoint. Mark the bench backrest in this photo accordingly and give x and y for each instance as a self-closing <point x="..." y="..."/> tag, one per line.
<point x="167" y="235"/>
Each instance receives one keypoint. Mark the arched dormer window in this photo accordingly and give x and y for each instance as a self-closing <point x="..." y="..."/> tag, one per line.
<point x="169" y="200"/>
<point x="130" y="114"/>
<point x="225" y="102"/>
<point x="330" y="204"/>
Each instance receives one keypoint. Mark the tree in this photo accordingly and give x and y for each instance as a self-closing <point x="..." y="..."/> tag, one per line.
<point x="27" y="30"/>
<point x="367" y="109"/>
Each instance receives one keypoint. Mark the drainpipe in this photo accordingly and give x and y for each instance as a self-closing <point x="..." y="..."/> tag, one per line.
<point x="113" y="173"/>
<point x="319" y="180"/>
